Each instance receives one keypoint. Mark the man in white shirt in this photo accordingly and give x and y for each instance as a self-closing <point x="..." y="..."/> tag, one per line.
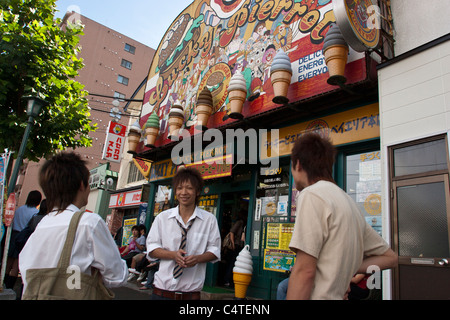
<point x="65" y="182"/>
<point x="182" y="270"/>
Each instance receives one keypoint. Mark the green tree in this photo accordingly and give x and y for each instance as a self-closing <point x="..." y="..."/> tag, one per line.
<point x="37" y="57"/>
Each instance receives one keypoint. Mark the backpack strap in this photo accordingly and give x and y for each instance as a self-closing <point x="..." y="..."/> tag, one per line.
<point x="64" y="260"/>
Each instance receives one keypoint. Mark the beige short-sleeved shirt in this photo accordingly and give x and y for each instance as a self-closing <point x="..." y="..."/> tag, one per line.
<point x="330" y="227"/>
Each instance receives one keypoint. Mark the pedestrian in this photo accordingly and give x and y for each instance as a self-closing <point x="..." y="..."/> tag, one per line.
<point x="65" y="182"/>
<point x="184" y="238"/>
<point x="22" y="216"/>
<point x="331" y="238"/>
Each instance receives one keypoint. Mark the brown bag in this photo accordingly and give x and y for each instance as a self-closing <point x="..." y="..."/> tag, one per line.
<point x="52" y="283"/>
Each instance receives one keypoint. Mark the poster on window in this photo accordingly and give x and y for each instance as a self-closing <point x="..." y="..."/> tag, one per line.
<point x="115" y="140"/>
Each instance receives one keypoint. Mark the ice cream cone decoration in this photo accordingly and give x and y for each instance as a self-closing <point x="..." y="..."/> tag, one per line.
<point x="335" y="50"/>
<point x="204" y="108"/>
<point x="237" y="93"/>
<point x="134" y="136"/>
<point x="281" y="75"/>
<point x="152" y="130"/>
<point x="242" y="273"/>
<point x="176" y="119"/>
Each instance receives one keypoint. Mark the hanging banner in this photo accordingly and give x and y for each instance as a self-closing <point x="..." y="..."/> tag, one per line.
<point x="212" y="40"/>
<point x="115" y="140"/>
<point x="10" y="209"/>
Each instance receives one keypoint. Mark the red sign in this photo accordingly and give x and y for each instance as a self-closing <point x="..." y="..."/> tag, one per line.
<point x="125" y="199"/>
<point x="115" y="140"/>
<point x="10" y="209"/>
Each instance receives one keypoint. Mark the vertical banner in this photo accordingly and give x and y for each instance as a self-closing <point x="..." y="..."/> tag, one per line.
<point x="115" y="140"/>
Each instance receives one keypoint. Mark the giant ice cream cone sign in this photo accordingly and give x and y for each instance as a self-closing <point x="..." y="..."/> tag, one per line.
<point x="176" y="119"/>
<point x="152" y="130"/>
<point x="237" y="93"/>
<point x="281" y="75"/>
<point x="242" y="273"/>
<point x="134" y="136"/>
<point x="204" y="108"/>
<point x="335" y="50"/>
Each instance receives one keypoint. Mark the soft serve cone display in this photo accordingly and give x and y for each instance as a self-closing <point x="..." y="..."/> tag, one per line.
<point x="176" y="119"/>
<point x="204" y="107"/>
<point x="335" y="51"/>
<point x="281" y="75"/>
<point x="134" y="136"/>
<point x="152" y="130"/>
<point x="237" y="93"/>
<point x="242" y="273"/>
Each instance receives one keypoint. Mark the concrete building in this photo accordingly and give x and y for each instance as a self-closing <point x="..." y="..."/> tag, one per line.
<point x="114" y="67"/>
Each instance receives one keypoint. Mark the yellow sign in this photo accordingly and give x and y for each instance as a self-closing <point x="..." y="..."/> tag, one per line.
<point x="162" y="170"/>
<point x="345" y="127"/>
<point x="143" y="166"/>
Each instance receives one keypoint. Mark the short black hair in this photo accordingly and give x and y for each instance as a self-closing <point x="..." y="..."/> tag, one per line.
<point x="34" y="198"/>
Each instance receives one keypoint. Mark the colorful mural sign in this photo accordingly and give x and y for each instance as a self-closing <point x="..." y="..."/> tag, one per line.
<point x="211" y="40"/>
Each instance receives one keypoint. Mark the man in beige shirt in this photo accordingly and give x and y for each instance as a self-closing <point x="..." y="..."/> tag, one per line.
<point x="331" y="238"/>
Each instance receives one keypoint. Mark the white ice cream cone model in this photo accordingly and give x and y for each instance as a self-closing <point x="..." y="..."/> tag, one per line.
<point x="204" y="108"/>
<point x="280" y="76"/>
<point x="242" y="273"/>
<point x="176" y="120"/>
<point x="237" y="93"/>
<point x="134" y="136"/>
<point x="151" y="130"/>
<point x="335" y="51"/>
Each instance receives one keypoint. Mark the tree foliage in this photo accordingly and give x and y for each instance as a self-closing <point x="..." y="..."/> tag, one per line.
<point x="38" y="58"/>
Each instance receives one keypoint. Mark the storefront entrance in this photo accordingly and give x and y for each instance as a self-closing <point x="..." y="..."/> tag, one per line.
<point x="421" y="215"/>
<point x="234" y="207"/>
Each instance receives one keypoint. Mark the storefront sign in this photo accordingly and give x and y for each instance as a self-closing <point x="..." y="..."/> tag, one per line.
<point x="115" y="140"/>
<point x="127" y="226"/>
<point x="349" y="126"/>
<point x="143" y="166"/>
<point x="162" y="170"/>
<point x="214" y="168"/>
<point x="211" y="40"/>
<point x="125" y="199"/>
<point x="278" y="260"/>
<point x="359" y="23"/>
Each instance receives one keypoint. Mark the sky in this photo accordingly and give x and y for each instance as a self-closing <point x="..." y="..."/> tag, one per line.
<point x="145" y="21"/>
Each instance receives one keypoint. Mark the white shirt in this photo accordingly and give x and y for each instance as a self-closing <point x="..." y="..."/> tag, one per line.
<point x="93" y="247"/>
<point x="203" y="237"/>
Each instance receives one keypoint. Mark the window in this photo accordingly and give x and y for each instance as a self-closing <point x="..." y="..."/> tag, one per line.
<point x="134" y="174"/>
<point x="123" y="80"/>
<point x="129" y="48"/>
<point x="119" y="95"/>
<point x="420" y="158"/>
<point x="363" y="185"/>
<point x="126" y="64"/>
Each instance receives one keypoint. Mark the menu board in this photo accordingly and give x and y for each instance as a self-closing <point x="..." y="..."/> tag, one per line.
<point x="277" y="255"/>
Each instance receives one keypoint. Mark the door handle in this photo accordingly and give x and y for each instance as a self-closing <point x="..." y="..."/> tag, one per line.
<point x="443" y="262"/>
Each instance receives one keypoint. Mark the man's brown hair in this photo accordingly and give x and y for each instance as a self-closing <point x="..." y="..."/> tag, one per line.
<point x="316" y="156"/>
<point x="193" y="176"/>
<point x="61" y="177"/>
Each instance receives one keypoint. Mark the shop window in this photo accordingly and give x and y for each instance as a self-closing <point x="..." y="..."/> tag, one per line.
<point x="363" y="185"/>
<point x="162" y="199"/>
<point x="272" y="194"/>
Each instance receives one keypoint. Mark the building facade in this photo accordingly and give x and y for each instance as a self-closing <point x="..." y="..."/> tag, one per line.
<point x="114" y="67"/>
